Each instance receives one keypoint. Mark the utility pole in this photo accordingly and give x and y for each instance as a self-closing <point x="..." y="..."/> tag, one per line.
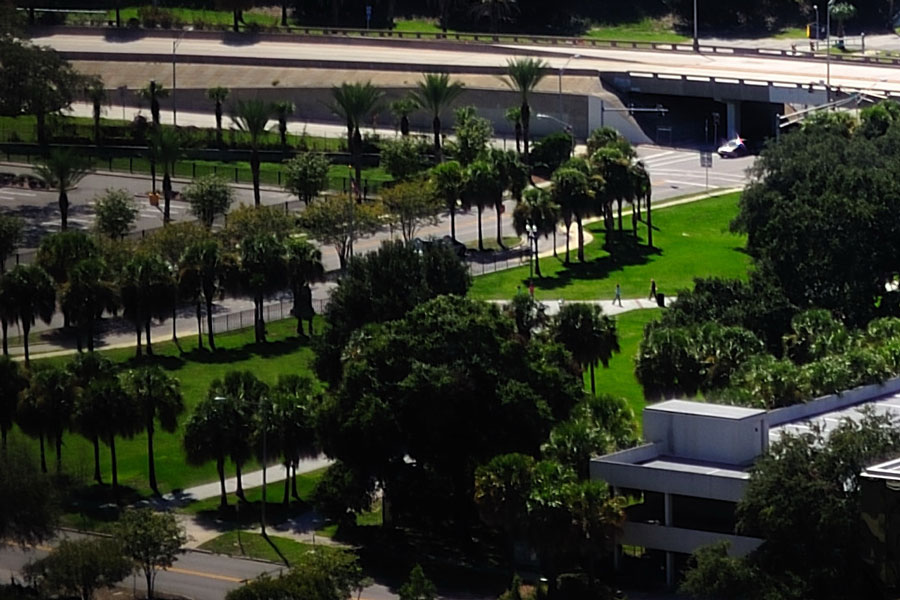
<point x="828" y="51"/>
<point x="696" y="37"/>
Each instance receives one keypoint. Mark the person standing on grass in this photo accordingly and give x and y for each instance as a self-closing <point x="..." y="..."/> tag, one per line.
<point x="652" y="295"/>
<point x="618" y="297"/>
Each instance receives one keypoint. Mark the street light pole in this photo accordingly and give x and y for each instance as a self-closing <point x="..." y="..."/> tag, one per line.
<point x="828" y="51"/>
<point x="175" y="44"/>
<point x="262" y="512"/>
<point x="696" y="38"/>
<point x="561" y="69"/>
<point x="816" y="8"/>
<point x="531" y="230"/>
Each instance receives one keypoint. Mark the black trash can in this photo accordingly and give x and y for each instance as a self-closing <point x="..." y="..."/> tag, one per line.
<point x="661" y="300"/>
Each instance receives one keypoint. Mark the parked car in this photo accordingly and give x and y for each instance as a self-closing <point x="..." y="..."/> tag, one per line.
<point x="733" y="148"/>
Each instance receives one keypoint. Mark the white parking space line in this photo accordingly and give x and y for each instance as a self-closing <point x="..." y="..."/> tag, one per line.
<point x="672" y="161"/>
<point x="655" y="156"/>
<point x="701" y="175"/>
<point x="14" y="192"/>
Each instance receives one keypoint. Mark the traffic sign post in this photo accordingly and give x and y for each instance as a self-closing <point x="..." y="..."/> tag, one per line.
<point x="706" y="163"/>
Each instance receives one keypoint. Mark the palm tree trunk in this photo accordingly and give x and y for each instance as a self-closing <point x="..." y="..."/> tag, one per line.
<point x="114" y="467"/>
<point x="580" y="239"/>
<point x="593" y="385"/>
<point x="199" y="310"/>
<point x="287" y="484"/>
<point x="43" y="453"/>
<point x="568" y="240"/>
<point x="357" y="161"/>
<point x="41" y="121"/>
<point x="619" y="210"/>
<point x="118" y="16"/>
<point x="4" y="325"/>
<point x="480" y="238"/>
<point x="97" y="476"/>
<point x="90" y="333"/>
<point x="262" y="321"/>
<point x="219" y="123"/>
<point x="240" y="483"/>
<point x="209" y="324"/>
<point x="452" y="227"/>
<point x="151" y="464"/>
<point x="499" y="210"/>
<point x="174" y="323"/>
<point x="64" y="207"/>
<point x="96" y="123"/>
<point x="518" y="137"/>
<point x="58" y="442"/>
<point x="167" y="195"/>
<point x="537" y="260"/>
<point x="254" y="169"/>
<point x="153" y="175"/>
<point x="137" y="329"/>
<point x="235" y="23"/>
<point x="284" y="18"/>
<point x="282" y="131"/>
<point x="147" y="330"/>
<point x="649" y="224"/>
<point x="26" y="329"/>
<point x="436" y="127"/>
<point x="220" y="469"/>
<point x="404" y="125"/>
<point x="526" y="123"/>
<point x="294" y="480"/>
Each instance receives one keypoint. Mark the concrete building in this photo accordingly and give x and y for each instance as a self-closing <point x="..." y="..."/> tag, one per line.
<point x="694" y="467"/>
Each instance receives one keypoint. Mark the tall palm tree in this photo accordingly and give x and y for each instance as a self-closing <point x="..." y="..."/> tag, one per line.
<point x="55" y="391"/>
<point x="304" y="267"/>
<point x="483" y="188"/>
<point x="353" y="102"/>
<point x="145" y="284"/>
<point x="206" y="264"/>
<point x="84" y="369"/>
<point x="218" y="95"/>
<point x="435" y="93"/>
<point x="642" y="189"/>
<point x="158" y="398"/>
<point x="63" y="169"/>
<point x="283" y="110"/>
<point x="494" y="11"/>
<point x="252" y="117"/>
<point x="514" y="116"/>
<point x="449" y="180"/>
<point x="28" y="294"/>
<point x="443" y="10"/>
<point x="614" y="167"/>
<point x="573" y="194"/>
<point x="537" y="209"/>
<point x="401" y="109"/>
<point x="512" y="176"/>
<point x="524" y="75"/>
<point x="587" y="333"/>
<point x="165" y="147"/>
<point x="153" y="92"/>
<point x="89" y="291"/>
<point x="13" y="381"/>
<point x="206" y="438"/>
<point x="242" y="392"/>
<point x="96" y="94"/>
<point x="116" y="416"/>
<point x="262" y="273"/>
<point x="33" y="420"/>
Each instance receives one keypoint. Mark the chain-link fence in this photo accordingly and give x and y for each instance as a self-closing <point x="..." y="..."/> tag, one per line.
<point x="243" y="319"/>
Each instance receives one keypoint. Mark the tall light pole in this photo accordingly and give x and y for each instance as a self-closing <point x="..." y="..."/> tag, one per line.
<point x="828" y="51"/>
<point x="262" y="513"/>
<point x="561" y="69"/>
<point x="816" y="8"/>
<point x="531" y="230"/>
<point x="696" y="37"/>
<point x="175" y="44"/>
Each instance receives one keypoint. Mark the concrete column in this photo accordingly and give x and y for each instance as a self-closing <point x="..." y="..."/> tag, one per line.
<point x="667" y="503"/>
<point x="733" y="119"/>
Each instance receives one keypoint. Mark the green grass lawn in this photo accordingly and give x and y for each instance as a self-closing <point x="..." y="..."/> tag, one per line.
<point x="490" y="243"/>
<point x="646" y="30"/>
<point x="692" y="240"/>
<point x="306" y="482"/>
<point x="195" y="369"/>
<point x="253" y="545"/>
<point x="191" y="16"/>
<point x="418" y="26"/>
<point x="789" y="33"/>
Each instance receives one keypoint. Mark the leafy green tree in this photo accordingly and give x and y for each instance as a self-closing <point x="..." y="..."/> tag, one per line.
<point x="95" y="92"/>
<point x="342" y="493"/>
<point x="158" y="398"/>
<point x="13" y="381"/>
<point x="527" y="313"/>
<point x="483" y="188"/>
<point x="495" y="11"/>
<point x="218" y="95"/>
<point x="434" y="94"/>
<point x="208" y="268"/>
<point x="401" y="108"/>
<point x="552" y="151"/>
<point x="403" y="158"/>
<point x="145" y="286"/>
<point x="814" y="335"/>
<point x="90" y="290"/>
<point x="262" y="273"/>
<point x="383" y="286"/>
<point x="588" y="334"/>
<point x="411" y="205"/>
<point x="473" y="134"/>
<point x="28" y="294"/>
<point x="153" y="92"/>
<point x="115" y="212"/>
<point x="418" y="586"/>
<point x="339" y="221"/>
<point x="354" y="102"/>
<point x="537" y="209"/>
<point x="85" y="368"/>
<point x="252" y="117"/>
<point x="29" y="504"/>
<point x="524" y="75"/>
<point x="306" y="175"/>
<point x="63" y="169"/>
<point x="841" y="12"/>
<point x="60" y="252"/>
<point x="10" y="238"/>
<point x="448" y="180"/>
<point x="304" y="267"/>
<point x="247" y="221"/>
<point x="152" y="540"/>
<point x="209" y="197"/>
<point x="80" y="567"/>
<point x="573" y="194"/>
<point x="283" y="110"/>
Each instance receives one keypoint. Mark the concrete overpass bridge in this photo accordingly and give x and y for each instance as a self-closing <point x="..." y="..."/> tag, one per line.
<point x="592" y="86"/>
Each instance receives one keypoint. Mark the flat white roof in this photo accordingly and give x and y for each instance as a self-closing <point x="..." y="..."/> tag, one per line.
<point x="705" y="409"/>
<point x="886" y="405"/>
<point x="668" y="463"/>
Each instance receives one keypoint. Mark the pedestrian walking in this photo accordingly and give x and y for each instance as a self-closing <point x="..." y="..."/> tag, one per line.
<point x="652" y="295"/>
<point x="618" y="297"/>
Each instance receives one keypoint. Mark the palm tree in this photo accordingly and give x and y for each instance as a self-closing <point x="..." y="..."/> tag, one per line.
<point x="205" y="264"/>
<point x="435" y="93"/>
<point x="116" y="415"/>
<point x="304" y="267"/>
<point x="252" y="116"/>
<point x="28" y="294"/>
<point x="55" y="392"/>
<point x="353" y="102"/>
<point x="614" y="168"/>
<point x="523" y="75"/>
<point x="514" y="116"/>
<point x="443" y="10"/>
<point x="643" y="189"/>
<point x="145" y="284"/>
<point x="96" y="94"/>
<point x="89" y="291"/>
<point x="539" y="210"/>
<point x="218" y="95"/>
<point x="207" y="438"/>
<point x="241" y="392"/>
<point x="449" y="180"/>
<point x="63" y="169"/>
<point x="158" y="397"/>
<point x="84" y="369"/>
<point x="512" y="176"/>
<point x="572" y="193"/>
<point x="262" y="273"/>
<point x="290" y="426"/>
<point x="401" y="109"/>
<point x="587" y="333"/>
<point x="494" y="10"/>
<point x="165" y="146"/>
<point x="33" y="420"/>
<point x="153" y="92"/>
<point x="482" y="189"/>
<point x="283" y="110"/>
<point x="13" y="381"/>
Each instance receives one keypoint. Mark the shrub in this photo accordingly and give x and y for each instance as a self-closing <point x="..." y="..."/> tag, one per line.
<point x="552" y="151"/>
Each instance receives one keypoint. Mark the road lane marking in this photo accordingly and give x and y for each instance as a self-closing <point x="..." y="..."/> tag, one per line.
<point x="652" y="156"/>
<point x="206" y="575"/>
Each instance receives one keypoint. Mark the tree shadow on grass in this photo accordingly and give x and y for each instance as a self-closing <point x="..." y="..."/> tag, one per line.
<point x="624" y="251"/>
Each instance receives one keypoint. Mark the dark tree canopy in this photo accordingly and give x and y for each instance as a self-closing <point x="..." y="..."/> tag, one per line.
<point x="28" y="506"/>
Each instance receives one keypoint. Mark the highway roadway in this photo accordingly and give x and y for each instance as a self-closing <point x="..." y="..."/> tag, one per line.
<point x="793" y="70"/>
